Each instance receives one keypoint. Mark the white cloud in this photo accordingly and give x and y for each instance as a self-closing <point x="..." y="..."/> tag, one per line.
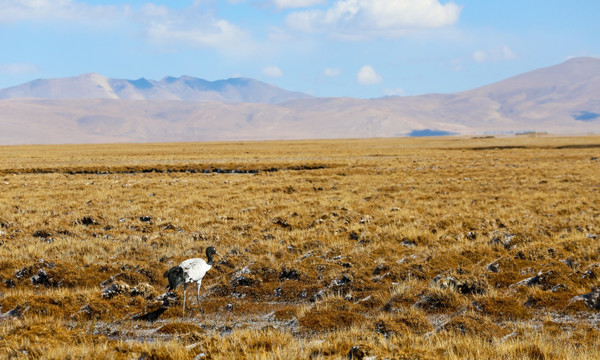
<point x="191" y="27"/>
<point x="18" y="10"/>
<point x="272" y="71"/>
<point x="359" y="18"/>
<point x="394" y="92"/>
<point x="494" y="55"/>
<point x="367" y="76"/>
<point x="194" y="26"/>
<point x="18" y="69"/>
<point x="332" y="72"/>
<point x="286" y="4"/>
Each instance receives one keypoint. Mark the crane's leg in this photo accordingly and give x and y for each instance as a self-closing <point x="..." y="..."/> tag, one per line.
<point x="198" y="296"/>
<point x="184" y="290"/>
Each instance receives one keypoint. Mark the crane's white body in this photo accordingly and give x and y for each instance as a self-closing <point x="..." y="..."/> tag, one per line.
<point x="194" y="270"/>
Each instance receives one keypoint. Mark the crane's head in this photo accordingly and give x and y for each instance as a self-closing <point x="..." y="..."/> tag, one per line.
<point x="210" y="251"/>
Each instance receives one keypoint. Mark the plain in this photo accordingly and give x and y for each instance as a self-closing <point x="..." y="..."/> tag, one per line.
<point x="397" y="248"/>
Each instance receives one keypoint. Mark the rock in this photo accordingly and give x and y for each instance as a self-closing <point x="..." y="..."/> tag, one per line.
<point x="16" y="312"/>
<point x="167" y="299"/>
<point x="26" y="271"/>
<point x="356" y="353"/>
<point x="366" y="219"/>
<point x="318" y="296"/>
<point x="378" y="278"/>
<point x="281" y="222"/>
<point x="144" y="290"/>
<point x="408" y="243"/>
<point x="504" y="240"/>
<point x="85" y="310"/>
<point x="381" y="328"/>
<point x="241" y="280"/>
<point x="114" y="289"/>
<point x="87" y="221"/>
<point x="43" y="234"/>
<point x="344" y="280"/>
<point x="360" y="352"/>
<point x="540" y="279"/>
<point x="471" y="235"/>
<point x="380" y="269"/>
<point x="289" y="274"/>
<point x="493" y="267"/>
<point x="146" y="218"/>
<point x="570" y="262"/>
<point x="464" y="286"/>
<point x="42" y="278"/>
<point x="589" y="274"/>
<point x="591" y="299"/>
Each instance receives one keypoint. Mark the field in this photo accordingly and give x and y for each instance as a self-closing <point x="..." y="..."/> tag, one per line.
<point x="454" y="248"/>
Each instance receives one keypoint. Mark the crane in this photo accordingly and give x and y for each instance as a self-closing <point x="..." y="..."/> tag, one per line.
<point x="190" y="270"/>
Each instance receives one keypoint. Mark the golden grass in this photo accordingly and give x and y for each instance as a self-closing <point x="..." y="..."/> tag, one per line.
<point x="451" y="248"/>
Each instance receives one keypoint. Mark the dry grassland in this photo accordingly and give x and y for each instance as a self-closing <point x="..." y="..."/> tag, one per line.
<point x="449" y="248"/>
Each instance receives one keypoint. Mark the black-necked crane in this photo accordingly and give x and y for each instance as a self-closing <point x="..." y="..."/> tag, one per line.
<point x="190" y="270"/>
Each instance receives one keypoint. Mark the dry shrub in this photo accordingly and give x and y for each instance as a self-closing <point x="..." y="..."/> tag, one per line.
<point x="503" y="307"/>
<point x="286" y="313"/>
<point x="546" y="300"/>
<point x="415" y="320"/>
<point x="406" y="321"/>
<point x="329" y="320"/>
<point x="465" y="285"/>
<point x="177" y="328"/>
<point x="331" y="313"/>
<point x="477" y="325"/>
<point x="530" y="351"/>
<point x="439" y="300"/>
<point x="402" y="297"/>
<point x="95" y="310"/>
<point x="584" y="336"/>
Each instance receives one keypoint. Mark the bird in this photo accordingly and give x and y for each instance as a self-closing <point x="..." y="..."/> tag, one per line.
<point x="190" y="270"/>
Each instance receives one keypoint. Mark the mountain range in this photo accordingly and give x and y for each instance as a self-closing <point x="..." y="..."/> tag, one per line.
<point x="90" y="108"/>
<point x="184" y="88"/>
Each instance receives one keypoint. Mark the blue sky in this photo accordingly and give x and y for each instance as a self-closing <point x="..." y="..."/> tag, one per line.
<point x="358" y="48"/>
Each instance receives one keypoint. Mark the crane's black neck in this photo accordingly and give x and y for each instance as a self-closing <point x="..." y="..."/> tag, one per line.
<point x="209" y="256"/>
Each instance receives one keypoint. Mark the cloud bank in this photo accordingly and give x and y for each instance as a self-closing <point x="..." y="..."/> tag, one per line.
<point x="194" y="26"/>
<point x="68" y="10"/>
<point x="494" y="55"/>
<point x="191" y="27"/>
<point x="286" y="4"/>
<point x="390" y="18"/>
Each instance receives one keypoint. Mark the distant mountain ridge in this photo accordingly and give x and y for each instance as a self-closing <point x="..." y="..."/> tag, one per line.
<point x="561" y="99"/>
<point x="184" y="88"/>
